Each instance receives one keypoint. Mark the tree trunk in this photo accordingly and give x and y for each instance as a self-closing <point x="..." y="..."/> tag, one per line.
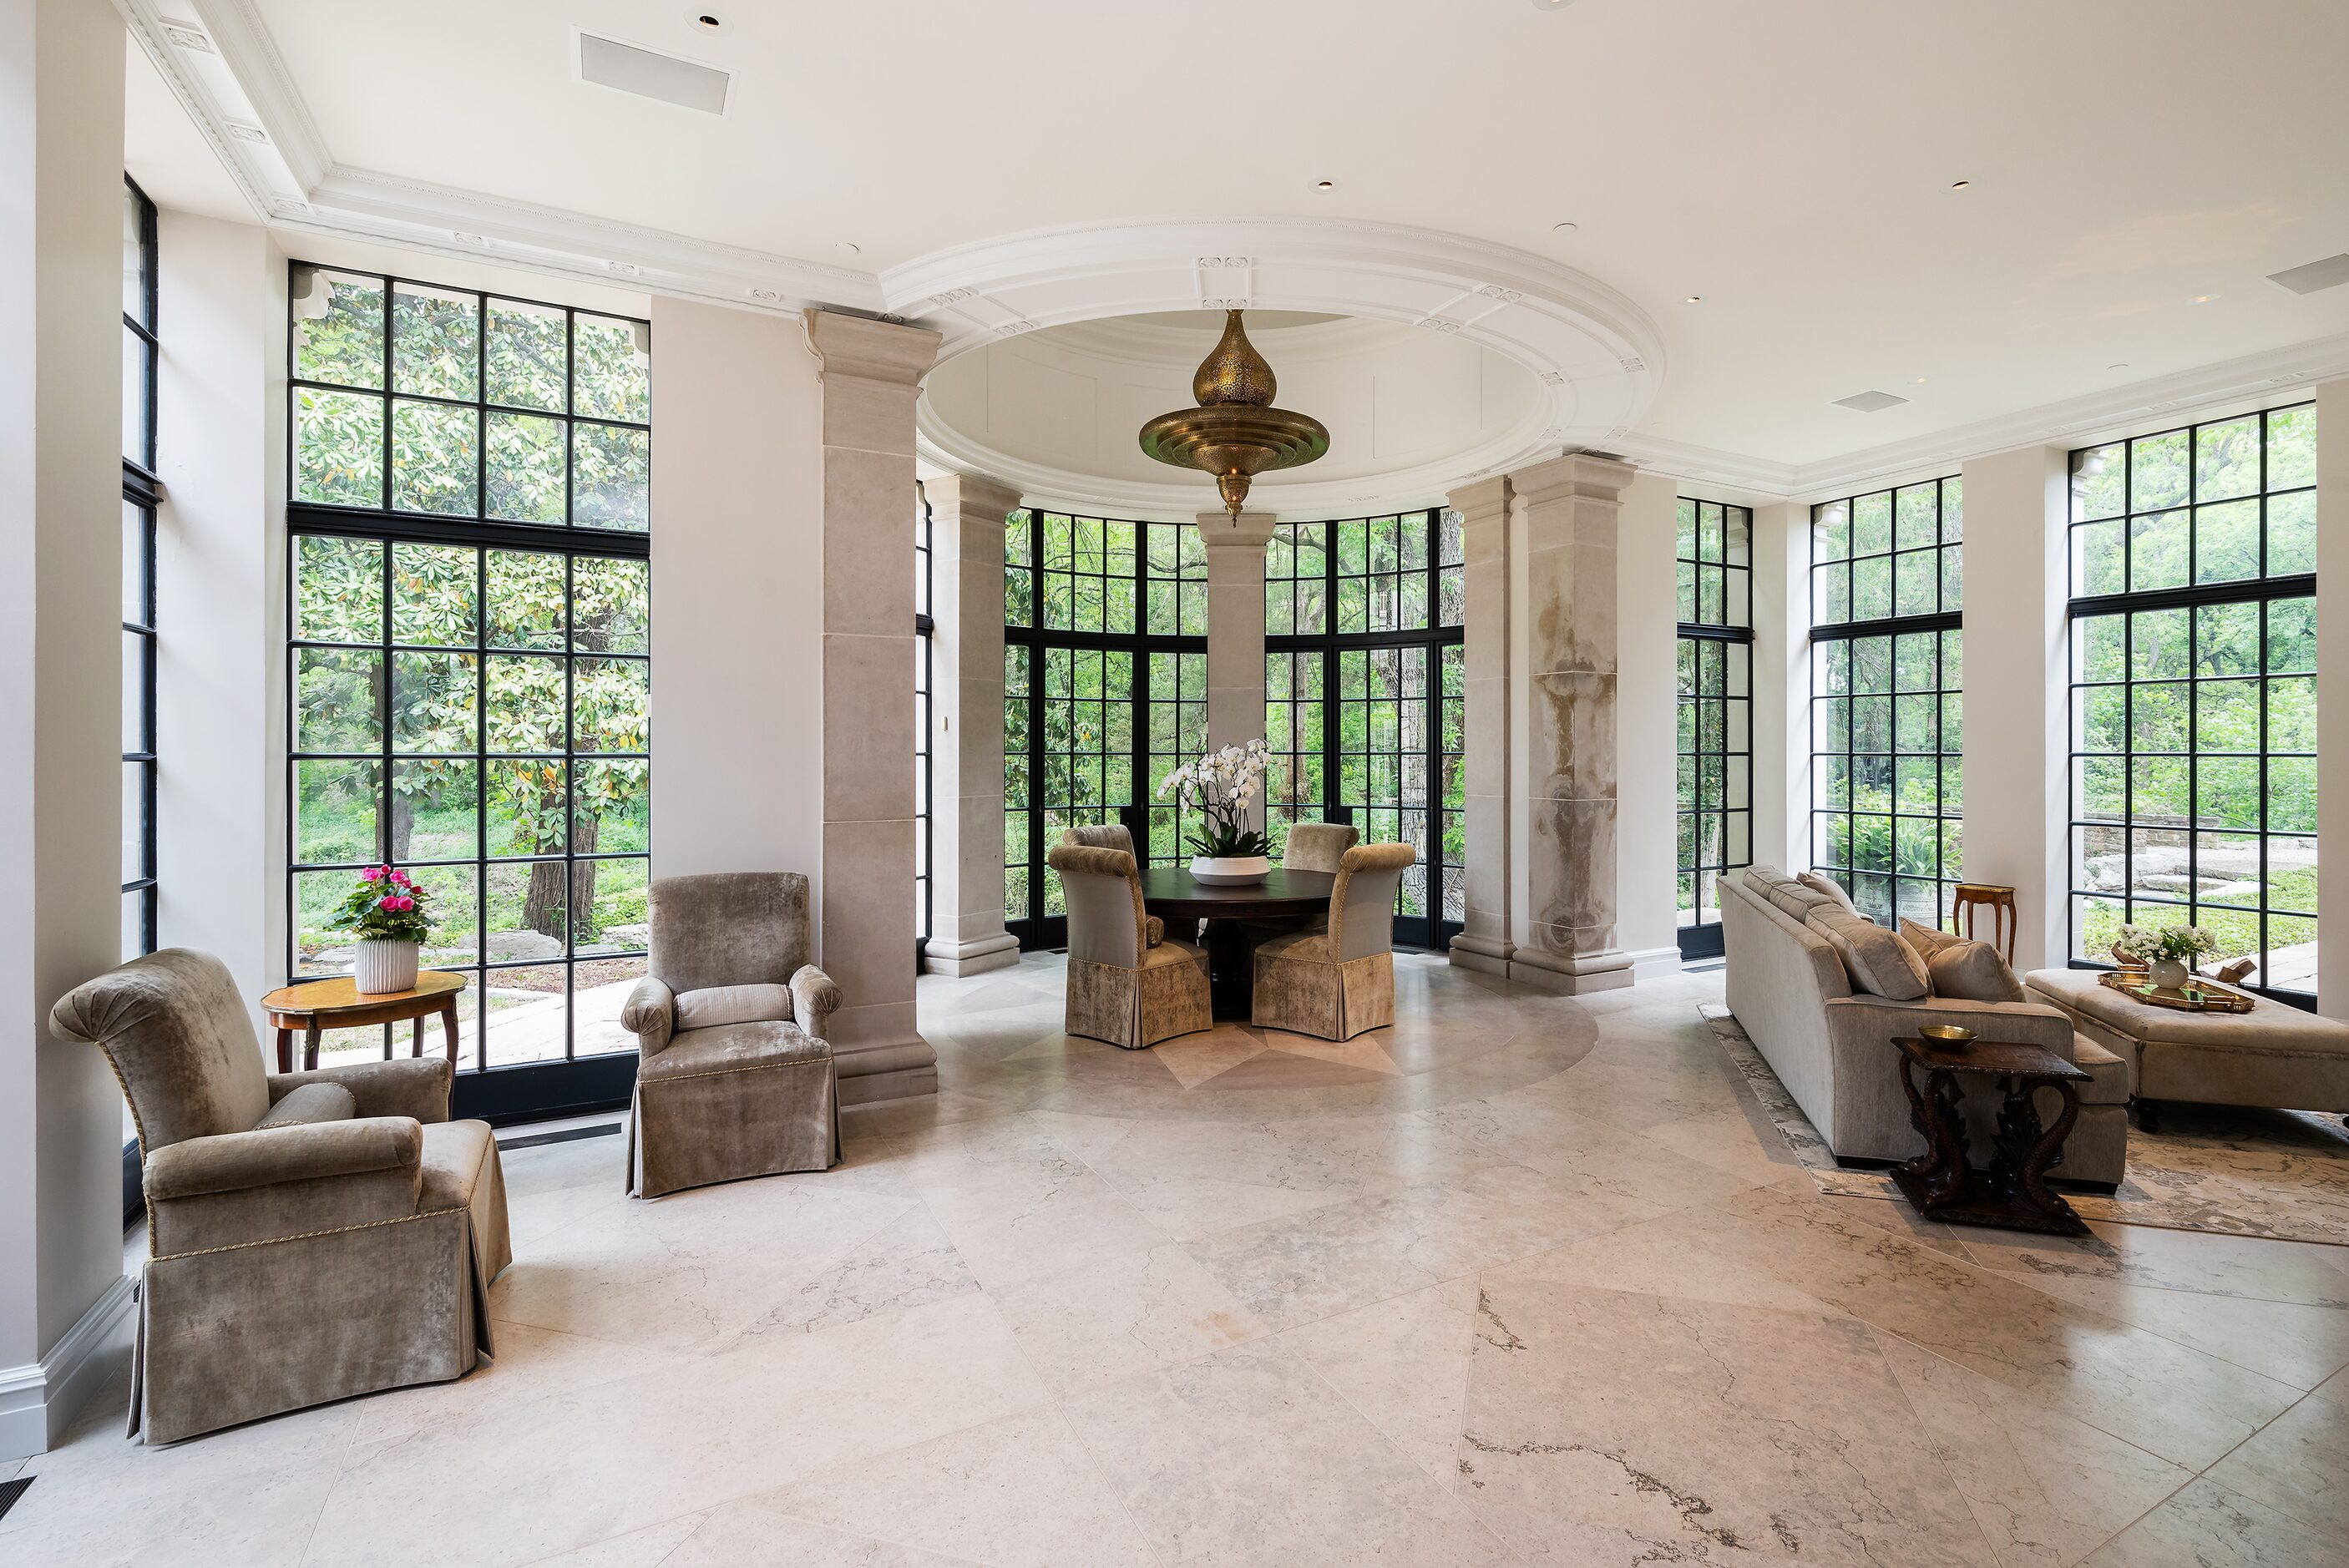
<point x="403" y="827"/>
<point x="583" y="881"/>
<point x="541" y="906"/>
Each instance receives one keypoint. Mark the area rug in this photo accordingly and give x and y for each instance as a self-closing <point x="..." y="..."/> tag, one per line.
<point x="2283" y="1174"/>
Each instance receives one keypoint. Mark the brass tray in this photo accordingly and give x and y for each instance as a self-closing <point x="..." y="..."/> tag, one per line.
<point x="2198" y="996"/>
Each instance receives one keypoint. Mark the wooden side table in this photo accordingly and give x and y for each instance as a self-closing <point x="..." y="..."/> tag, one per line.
<point x="318" y="1006"/>
<point x="1996" y="898"/>
<point x="1942" y="1182"/>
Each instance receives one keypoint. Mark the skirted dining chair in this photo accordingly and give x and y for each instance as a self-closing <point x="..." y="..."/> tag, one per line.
<point x="1334" y="984"/>
<point x="1099" y="836"/>
<point x="1318" y="846"/>
<point x="735" y="1077"/>
<point x="311" y="1236"/>
<point x="1129" y="983"/>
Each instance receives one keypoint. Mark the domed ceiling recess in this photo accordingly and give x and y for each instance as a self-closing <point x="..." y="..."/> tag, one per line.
<point x="1054" y="411"/>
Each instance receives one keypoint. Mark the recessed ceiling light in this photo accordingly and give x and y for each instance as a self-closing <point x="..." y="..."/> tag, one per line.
<point x="1325" y="185"/>
<point x="1920" y="381"/>
<point x="1567" y="227"/>
<point x="848" y="248"/>
<point x="2204" y="299"/>
<point x="1959" y="184"/>
<point x="1695" y="299"/>
<point x="705" y="20"/>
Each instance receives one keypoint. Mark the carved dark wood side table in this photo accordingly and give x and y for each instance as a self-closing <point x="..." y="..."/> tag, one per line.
<point x="2011" y="1192"/>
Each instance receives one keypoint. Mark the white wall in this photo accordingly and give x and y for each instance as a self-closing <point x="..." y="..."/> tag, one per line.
<point x="2017" y="758"/>
<point x="1647" y="691"/>
<point x="1782" y="622"/>
<point x="60" y="665"/>
<point x="221" y="562"/>
<point x="737" y="574"/>
<point x="2333" y="689"/>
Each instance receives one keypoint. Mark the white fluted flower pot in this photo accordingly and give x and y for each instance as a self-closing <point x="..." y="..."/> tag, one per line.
<point x="2169" y="974"/>
<point x="1230" y="870"/>
<point x="383" y="968"/>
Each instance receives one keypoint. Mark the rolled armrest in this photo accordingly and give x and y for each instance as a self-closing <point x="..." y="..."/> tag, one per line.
<point x="2023" y="1023"/>
<point x="413" y="1087"/>
<point x="815" y="998"/>
<point x="311" y="1151"/>
<point x="650" y="1014"/>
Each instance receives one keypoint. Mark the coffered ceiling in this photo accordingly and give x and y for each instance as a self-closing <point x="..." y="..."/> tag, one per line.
<point x="2136" y="168"/>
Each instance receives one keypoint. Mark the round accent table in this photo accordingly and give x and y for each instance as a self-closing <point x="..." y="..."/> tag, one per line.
<point x="317" y="1006"/>
<point x="1174" y="896"/>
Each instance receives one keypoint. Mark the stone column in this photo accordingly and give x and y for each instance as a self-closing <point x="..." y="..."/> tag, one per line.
<point x="966" y="934"/>
<point x="1568" y="940"/>
<point x="1483" y="941"/>
<point x="871" y="375"/>
<point x="1236" y="626"/>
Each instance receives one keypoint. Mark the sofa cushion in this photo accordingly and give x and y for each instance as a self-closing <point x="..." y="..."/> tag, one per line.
<point x="1962" y="967"/>
<point x="715" y="1006"/>
<point x="1790" y="896"/>
<point x="1827" y="887"/>
<point x="2108" y="1073"/>
<point x="732" y="1047"/>
<point x="1880" y="962"/>
<point x="311" y="1102"/>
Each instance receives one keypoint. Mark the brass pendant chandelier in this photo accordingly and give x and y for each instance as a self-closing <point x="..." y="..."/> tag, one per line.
<point x="1235" y="433"/>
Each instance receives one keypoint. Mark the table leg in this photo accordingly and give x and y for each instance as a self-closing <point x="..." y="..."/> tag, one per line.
<point x="1231" y="983"/>
<point x="284" y="1050"/>
<point x="310" y="1046"/>
<point x="448" y="1032"/>
<point x="2026" y="1151"/>
<point x="1939" y="1176"/>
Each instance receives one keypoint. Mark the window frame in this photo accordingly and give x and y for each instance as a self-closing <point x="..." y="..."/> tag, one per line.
<point x="143" y="493"/>
<point x="1697" y="936"/>
<point x="521" y="1090"/>
<point x="925" y="742"/>
<point x="2262" y="591"/>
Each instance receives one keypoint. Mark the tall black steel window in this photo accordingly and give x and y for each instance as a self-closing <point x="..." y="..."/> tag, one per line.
<point x="470" y="691"/>
<point x="2193" y="614"/>
<point x="1104" y="692"/>
<point x="1364" y="684"/>
<point x="140" y="493"/>
<point x="1888" y="769"/>
<point x="925" y="653"/>
<point x="1715" y="586"/>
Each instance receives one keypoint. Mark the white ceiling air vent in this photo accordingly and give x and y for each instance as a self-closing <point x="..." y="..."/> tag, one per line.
<point x="1870" y="402"/>
<point x="625" y="67"/>
<point x="2330" y="272"/>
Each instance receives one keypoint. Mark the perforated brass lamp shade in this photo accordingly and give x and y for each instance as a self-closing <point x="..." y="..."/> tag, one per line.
<point x="1235" y="433"/>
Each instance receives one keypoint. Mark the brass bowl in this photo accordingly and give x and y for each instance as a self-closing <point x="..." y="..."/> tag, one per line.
<point x="1946" y="1033"/>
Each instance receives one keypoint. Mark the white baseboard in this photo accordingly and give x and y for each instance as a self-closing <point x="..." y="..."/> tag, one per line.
<point x="1654" y="963"/>
<point x="40" y="1400"/>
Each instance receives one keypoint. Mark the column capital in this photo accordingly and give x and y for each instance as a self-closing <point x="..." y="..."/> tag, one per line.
<point x="1582" y="475"/>
<point x="1221" y="529"/>
<point x="872" y="350"/>
<point x="1480" y="502"/>
<point x="971" y="496"/>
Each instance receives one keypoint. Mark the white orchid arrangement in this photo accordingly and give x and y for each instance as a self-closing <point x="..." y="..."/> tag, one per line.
<point x="2178" y="943"/>
<point x="1223" y="784"/>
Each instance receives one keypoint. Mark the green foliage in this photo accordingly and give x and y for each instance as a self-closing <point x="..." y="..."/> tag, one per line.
<point x="385" y="906"/>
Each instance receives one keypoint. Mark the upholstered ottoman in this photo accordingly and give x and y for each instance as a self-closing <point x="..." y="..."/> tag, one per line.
<point x="2273" y="1055"/>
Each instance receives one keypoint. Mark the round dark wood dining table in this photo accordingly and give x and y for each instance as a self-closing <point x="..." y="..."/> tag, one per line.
<point x="1178" y="898"/>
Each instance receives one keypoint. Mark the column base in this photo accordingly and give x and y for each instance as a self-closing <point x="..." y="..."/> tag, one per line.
<point x="1489" y="954"/>
<point x="977" y="956"/>
<point x="1655" y="963"/>
<point x="1571" y="974"/>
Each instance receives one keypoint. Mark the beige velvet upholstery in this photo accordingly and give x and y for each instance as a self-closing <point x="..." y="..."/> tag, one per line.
<point x="1961" y="968"/>
<point x="1099" y="836"/>
<point x="1880" y="962"/>
<point x="1338" y="982"/>
<point x="1833" y="1049"/>
<point x="1128" y="985"/>
<point x="1318" y="846"/>
<point x="337" y="1240"/>
<point x="2273" y="1055"/>
<point x="755" y="1095"/>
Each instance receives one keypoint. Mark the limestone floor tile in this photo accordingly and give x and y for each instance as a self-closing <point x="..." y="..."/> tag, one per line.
<point x="645" y="1548"/>
<point x="1100" y="1323"/>
<point x="689" y="1270"/>
<point x="1020" y="1492"/>
<point x="1610" y="1426"/>
<point x="907" y="1263"/>
<point x="2172" y="1260"/>
<point x="1728" y="1140"/>
<point x="2046" y="1489"/>
<point x="2207" y="1526"/>
<point x="2285" y="1340"/>
<point x="1349" y="1254"/>
<point x="1528" y="1127"/>
<point x="1894" y="1215"/>
<point x="1404" y="1364"/>
<point x="243" y="1498"/>
<point x="2177" y="1402"/>
<point x="1638" y="1095"/>
<point x="743" y="1535"/>
<point x="2299" y="1463"/>
<point x="568" y="1470"/>
<point x="531" y="1364"/>
<point x="1016" y="1206"/>
<point x="1248" y="1457"/>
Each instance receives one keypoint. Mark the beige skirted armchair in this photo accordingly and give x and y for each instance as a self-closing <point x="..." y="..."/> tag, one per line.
<point x="1129" y="983"/>
<point x="1337" y="982"/>
<point x="734" y="1077"/>
<point x="310" y="1235"/>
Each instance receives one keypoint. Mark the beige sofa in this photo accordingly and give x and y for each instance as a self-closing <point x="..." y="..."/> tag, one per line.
<point x="2272" y="1055"/>
<point x="1833" y="1049"/>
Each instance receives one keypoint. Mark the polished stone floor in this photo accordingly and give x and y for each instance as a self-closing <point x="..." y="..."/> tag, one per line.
<point x="1524" y="1280"/>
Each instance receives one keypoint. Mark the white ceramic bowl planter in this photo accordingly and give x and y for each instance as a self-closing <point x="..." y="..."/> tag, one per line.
<point x="1230" y="870"/>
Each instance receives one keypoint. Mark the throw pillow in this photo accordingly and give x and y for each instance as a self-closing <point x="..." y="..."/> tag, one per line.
<point x="1973" y="972"/>
<point x="715" y="1005"/>
<point x="1879" y="962"/>
<point x="1818" y="882"/>
<point x="1926" y="939"/>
